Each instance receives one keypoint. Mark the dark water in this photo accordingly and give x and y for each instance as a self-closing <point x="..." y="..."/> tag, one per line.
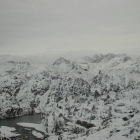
<point x="28" y="118"/>
<point x="24" y="133"/>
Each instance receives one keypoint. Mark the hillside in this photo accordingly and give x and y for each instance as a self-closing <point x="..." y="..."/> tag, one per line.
<point x="94" y="97"/>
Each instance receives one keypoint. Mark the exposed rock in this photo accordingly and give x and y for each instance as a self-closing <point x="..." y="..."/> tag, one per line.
<point x="85" y="124"/>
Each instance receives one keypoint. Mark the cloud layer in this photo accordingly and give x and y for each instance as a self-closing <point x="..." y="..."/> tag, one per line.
<point x="35" y="26"/>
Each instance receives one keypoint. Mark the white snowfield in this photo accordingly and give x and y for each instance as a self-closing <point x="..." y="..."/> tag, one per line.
<point x="37" y="134"/>
<point x="93" y="98"/>
<point x="7" y="132"/>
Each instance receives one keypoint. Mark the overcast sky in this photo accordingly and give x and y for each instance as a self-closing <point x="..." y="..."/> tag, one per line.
<point x="31" y="27"/>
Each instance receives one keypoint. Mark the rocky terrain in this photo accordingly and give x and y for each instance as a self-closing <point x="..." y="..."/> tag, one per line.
<point x="94" y="97"/>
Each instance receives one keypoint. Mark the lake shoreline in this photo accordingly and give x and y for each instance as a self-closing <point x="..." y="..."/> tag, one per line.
<point x="11" y="122"/>
<point x="25" y="132"/>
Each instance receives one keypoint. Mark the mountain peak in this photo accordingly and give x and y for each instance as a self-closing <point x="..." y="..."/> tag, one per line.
<point x="10" y="62"/>
<point x="61" y="60"/>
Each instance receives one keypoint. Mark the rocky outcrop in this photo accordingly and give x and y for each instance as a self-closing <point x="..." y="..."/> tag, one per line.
<point x="85" y="124"/>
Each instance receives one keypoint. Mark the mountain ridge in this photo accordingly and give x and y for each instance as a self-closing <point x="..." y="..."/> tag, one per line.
<point x="76" y="97"/>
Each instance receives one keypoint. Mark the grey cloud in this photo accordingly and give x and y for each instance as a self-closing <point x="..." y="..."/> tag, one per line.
<point x="34" y="26"/>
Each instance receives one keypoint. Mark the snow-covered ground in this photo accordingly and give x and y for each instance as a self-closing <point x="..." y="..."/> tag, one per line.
<point x="37" y="134"/>
<point x="7" y="132"/>
<point x="95" y="97"/>
<point x="38" y="127"/>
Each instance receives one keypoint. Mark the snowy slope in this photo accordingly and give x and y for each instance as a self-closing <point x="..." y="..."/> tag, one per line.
<point x="95" y="97"/>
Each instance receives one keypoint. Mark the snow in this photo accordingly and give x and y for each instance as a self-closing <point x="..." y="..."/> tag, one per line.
<point x="53" y="138"/>
<point x="37" y="134"/>
<point x="7" y="132"/>
<point x="38" y="127"/>
<point x="65" y="92"/>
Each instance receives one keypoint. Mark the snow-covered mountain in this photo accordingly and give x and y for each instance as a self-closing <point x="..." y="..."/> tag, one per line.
<point x="60" y="61"/>
<point x="94" y="97"/>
